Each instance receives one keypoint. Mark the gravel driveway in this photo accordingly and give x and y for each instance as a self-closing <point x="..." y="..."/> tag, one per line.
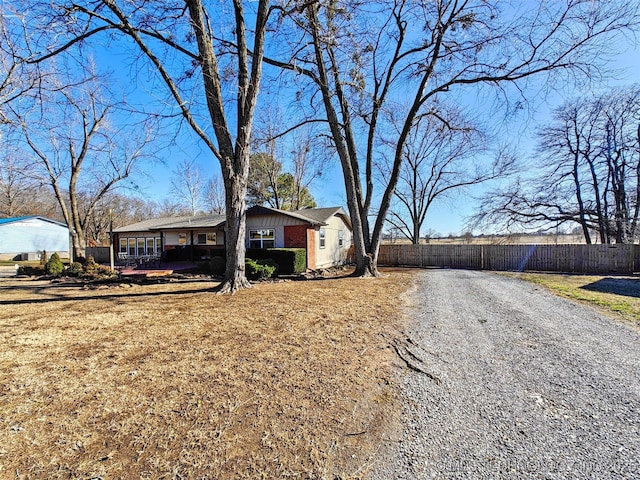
<point x="521" y="385"/>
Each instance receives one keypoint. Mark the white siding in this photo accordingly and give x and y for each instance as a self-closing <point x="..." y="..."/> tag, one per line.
<point x="332" y="253"/>
<point x="33" y="235"/>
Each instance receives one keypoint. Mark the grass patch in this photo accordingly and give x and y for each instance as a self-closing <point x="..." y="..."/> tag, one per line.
<point x="617" y="296"/>
<point x="169" y="380"/>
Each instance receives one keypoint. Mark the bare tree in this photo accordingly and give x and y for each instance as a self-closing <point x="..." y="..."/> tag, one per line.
<point x="587" y="172"/>
<point x="308" y="159"/>
<point x="169" y="208"/>
<point x="21" y="193"/>
<point x="363" y="57"/>
<point x="188" y="186"/>
<point x="79" y="153"/>
<point x="214" y="196"/>
<point x="118" y="210"/>
<point x="15" y="80"/>
<point x="202" y="60"/>
<point x="442" y="156"/>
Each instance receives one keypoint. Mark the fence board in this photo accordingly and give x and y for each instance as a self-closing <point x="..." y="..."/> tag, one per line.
<point x="552" y="258"/>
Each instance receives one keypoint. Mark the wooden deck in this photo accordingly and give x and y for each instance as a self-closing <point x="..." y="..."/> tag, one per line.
<point x="144" y="273"/>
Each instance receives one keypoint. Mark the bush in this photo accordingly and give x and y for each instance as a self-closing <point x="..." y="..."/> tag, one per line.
<point x="54" y="265"/>
<point x="43" y="258"/>
<point x="100" y="273"/>
<point x="75" y="269"/>
<point x="289" y="260"/>
<point x="260" y="269"/>
<point x="30" y="271"/>
<point x="217" y="265"/>
<point x="90" y="265"/>
<point x="95" y="271"/>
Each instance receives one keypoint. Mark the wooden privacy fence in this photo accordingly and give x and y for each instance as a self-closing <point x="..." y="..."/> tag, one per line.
<point x="552" y="258"/>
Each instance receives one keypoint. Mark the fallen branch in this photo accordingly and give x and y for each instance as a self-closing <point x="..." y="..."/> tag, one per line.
<point x="410" y="358"/>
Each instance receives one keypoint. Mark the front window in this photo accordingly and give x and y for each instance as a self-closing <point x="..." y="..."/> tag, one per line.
<point x="150" y="249"/>
<point x="322" y="238"/>
<point x="206" y="238"/>
<point x="139" y="246"/>
<point x="262" y="238"/>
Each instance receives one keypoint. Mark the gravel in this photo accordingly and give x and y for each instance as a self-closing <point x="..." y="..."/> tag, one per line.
<point x="522" y="385"/>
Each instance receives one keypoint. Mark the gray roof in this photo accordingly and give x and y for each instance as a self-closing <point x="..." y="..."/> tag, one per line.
<point x="314" y="216"/>
<point x="174" y="223"/>
<point x="322" y="215"/>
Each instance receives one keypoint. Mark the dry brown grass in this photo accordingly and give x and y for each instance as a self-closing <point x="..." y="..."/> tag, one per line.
<point x="286" y="380"/>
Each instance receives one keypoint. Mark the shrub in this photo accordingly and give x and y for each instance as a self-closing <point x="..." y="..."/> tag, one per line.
<point x="90" y="265"/>
<point x="101" y="273"/>
<point x="289" y="260"/>
<point x="31" y="271"/>
<point x="217" y="265"/>
<point x="75" y="269"/>
<point x="43" y="258"/>
<point x="260" y="269"/>
<point x="54" y="265"/>
<point x="95" y="271"/>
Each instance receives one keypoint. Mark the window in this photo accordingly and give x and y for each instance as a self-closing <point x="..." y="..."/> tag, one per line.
<point x="150" y="244"/>
<point x="322" y="238"/>
<point x="139" y="246"/>
<point x="206" y="238"/>
<point x="340" y="238"/>
<point x="263" y="238"/>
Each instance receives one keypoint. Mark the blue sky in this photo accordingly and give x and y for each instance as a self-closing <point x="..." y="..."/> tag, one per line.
<point x="446" y="216"/>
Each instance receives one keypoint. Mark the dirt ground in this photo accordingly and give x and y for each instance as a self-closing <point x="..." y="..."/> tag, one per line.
<point x="169" y="380"/>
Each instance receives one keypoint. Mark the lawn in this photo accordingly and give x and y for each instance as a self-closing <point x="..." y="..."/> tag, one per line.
<point x="617" y="295"/>
<point x="169" y="380"/>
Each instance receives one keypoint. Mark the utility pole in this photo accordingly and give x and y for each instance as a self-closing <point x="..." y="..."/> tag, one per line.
<point x="111" y="260"/>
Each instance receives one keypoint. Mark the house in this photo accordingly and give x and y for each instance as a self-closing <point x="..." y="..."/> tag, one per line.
<point x="24" y="238"/>
<point x="183" y="238"/>
<point x="324" y="232"/>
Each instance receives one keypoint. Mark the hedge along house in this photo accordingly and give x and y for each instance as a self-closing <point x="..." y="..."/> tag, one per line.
<point x="325" y="233"/>
<point x="175" y="238"/>
<point x="24" y="238"/>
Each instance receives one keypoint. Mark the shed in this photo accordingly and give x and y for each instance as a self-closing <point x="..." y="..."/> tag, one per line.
<point x="26" y="237"/>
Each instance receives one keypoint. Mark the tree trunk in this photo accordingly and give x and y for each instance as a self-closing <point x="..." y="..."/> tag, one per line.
<point x="78" y="246"/>
<point x="235" y="231"/>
